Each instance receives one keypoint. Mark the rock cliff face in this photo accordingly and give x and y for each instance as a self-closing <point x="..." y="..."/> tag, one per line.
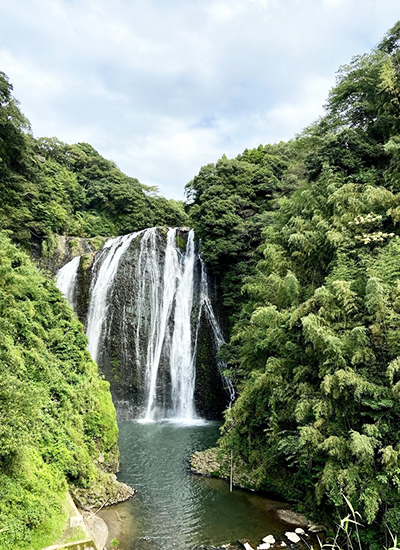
<point x="53" y="253"/>
<point x="151" y="325"/>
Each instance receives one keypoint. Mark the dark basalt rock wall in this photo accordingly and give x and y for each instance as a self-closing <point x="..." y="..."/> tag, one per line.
<point x="210" y="396"/>
<point x="52" y="253"/>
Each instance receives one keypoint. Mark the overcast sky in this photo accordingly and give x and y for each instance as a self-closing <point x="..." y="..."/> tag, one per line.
<point x="163" y="87"/>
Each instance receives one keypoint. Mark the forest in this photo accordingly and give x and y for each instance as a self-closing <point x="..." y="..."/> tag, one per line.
<point x="303" y="238"/>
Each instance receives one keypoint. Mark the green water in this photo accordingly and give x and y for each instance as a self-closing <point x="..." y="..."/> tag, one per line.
<point x="176" y="510"/>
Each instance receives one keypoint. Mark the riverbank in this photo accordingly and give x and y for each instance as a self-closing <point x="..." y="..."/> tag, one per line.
<point x="104" y="491"/>
<point x="83" y="532"/>
<point x="121" y="522"/>
<point x="207" y="463"/>
<point x="85" y="528"/>
<point x="301" y="533"/>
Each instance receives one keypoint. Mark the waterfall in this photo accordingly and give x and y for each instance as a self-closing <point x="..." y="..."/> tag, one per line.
<point x="164" y="308"/>
<point x="182" y="353"/>
<point x="104" y="269"/>
<point x="66" y="280"/>
<point x="219" y="340"/>
<point x="148" y="300"/>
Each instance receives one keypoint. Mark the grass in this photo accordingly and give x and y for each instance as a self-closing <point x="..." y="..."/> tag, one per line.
<point x="347" y="535"/>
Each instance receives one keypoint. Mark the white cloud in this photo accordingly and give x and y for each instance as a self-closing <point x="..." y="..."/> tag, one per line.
<point x="98" y="90"/>
<point x="164" y="87"/>
<point x="333" y="4"/>
<point x="292" y="117"/>
<point x="223" y="10"/>
<point x="29" y="76"/>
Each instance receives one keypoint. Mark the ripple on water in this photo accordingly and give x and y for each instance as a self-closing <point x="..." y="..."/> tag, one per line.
<point x="175" y="510"/>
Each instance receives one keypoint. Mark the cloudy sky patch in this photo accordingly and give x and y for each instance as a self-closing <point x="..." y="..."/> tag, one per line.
<point x="163" y="88"/>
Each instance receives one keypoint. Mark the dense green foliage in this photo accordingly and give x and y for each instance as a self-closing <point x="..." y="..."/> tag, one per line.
<point x="50" y="187"/>
<point x="315" y="350"/>
<point x="56" y="414"/>
<point x="230" y="203"/>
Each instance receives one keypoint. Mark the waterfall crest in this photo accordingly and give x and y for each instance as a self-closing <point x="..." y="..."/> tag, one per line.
<point x="149" y="314"/>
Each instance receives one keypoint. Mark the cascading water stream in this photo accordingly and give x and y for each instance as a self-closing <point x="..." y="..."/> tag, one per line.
<point x="108" y="261"/>
<point x="168" y="320"/>
<point x="157" y="294"/>
<point x="66" y="279"/>
<point x="219" y="340"/>
<point x="181" y="365"/>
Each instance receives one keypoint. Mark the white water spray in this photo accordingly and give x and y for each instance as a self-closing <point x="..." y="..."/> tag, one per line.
<point x="164" y="309"/>
<point x="181" y="364"/>
<point x="219" y="340"/>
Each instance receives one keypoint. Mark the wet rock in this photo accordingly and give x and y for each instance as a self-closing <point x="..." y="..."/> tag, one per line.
<point x="299" y="531"/>
<point x="104" y="492"/>
<point x="293" y="537"/>
<point x="269" y="539"/>
<point x="205" y="462"/>
<point x="317" y="528"/>
<point x="51" y="254"/>
<point x="288" y="516"/>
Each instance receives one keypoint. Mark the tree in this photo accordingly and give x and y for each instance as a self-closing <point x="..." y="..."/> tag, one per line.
<point x="228" y="206"/>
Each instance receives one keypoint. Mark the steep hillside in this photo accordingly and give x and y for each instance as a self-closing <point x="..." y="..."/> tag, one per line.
<point x="56" y="414"/>
<point x="315" y="348"/>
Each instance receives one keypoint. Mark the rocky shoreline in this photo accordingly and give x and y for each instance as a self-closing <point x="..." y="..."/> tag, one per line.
<point x="298" y="539"/>
<point x="207" y="463"/>
<point x="85" y="526"/>
<point x="110" y="492"/>
<point x="98" y="497"/>
<point x="301" y="533"/>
